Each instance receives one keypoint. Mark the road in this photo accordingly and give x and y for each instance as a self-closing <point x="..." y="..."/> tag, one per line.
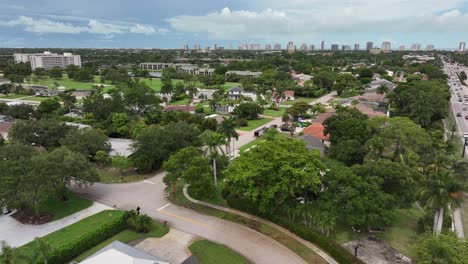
<point x="459" y="93"/>
<point x="149" y="196"/>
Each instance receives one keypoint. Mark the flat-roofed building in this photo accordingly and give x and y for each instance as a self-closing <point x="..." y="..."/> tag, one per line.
<point x="369" y="45"/>
<point x="48" y="60"/>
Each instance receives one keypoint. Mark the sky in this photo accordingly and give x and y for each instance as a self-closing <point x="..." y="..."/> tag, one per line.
<point x="173" y="23"/>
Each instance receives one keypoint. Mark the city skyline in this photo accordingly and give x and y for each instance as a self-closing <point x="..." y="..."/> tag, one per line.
<point x="26" y="23"/>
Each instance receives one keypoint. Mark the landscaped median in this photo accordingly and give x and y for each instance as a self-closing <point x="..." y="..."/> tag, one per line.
<point x="255" y="123"/>
<point x="86" y="237"/>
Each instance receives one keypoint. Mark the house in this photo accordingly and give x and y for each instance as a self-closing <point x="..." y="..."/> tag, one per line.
<point x="184" y="108"/>
<point x="157" y="75"/>
<point x="316" y="131"/>
<point x="287" y="96"/>
<point x="47" y="92"/>
<point x="244" y="73"/>
<point x="225" y="109"/>
<point x="373" y="86"/>
<point x="237" y="92"/>
<point x="120" y="253"/>
<point x="4" y="81"/>
<point x="313" y="143"/>
<point x="368" y="110"/>
<point x="81" y="94"/>
<point x="5" y="129"/>
<point x="205" y="93"/>
<point x="77" y="125"/>
<point x="300" y="78"/>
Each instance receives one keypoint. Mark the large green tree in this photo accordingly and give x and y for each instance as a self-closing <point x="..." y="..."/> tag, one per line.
<point x="86" y="141"/>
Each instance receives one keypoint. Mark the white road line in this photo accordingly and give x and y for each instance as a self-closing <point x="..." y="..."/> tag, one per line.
<point x="164" y="206"/>
<point x="148" y="182"/>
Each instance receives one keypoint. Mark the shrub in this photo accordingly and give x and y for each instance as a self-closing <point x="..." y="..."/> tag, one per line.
<point x="242" y="122"/>
<point x="138" y="223"/>
<point x="88" y="240"/>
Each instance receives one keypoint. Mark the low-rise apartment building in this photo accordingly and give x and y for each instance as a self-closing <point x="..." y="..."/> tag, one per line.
<point x="48" y="60"/>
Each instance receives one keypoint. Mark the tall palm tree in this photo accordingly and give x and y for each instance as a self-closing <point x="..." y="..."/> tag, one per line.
<point x="213" y="142"/>
<point x="42" y="251"/>
<point x="228" y="129"/>
<point x="382" y="89"/>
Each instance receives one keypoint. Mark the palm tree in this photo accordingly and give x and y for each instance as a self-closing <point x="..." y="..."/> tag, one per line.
<point x="8" y="253"/>
<point x="213" y="142"/>
<point x="43" y="250"/>
<point x="382" y="89"/>
<point x="228" y="129"/>
<point x="192" y="90"/>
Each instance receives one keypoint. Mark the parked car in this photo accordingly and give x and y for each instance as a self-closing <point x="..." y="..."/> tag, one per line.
<point x="459" y="115"/>
<point x="466" y="117"/>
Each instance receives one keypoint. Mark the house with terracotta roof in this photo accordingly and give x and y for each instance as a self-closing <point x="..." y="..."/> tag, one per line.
<point x="5" y="128"/>
<point x="316" y="130"/>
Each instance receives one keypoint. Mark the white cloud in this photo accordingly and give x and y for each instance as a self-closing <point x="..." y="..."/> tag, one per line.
<point x="303" y="18"/>
<point x="45" y="25"/>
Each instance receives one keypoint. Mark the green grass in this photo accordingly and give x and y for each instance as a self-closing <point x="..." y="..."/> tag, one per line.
<point x="69" y="233"/>
<point x="250" y="144"/>
<point x="274" y="113"/>
<point x="69" y="83"/>
<point x="298" y="99"/>
<point x="37" y="98"/>
<point x="211" y="253"/>
<point x="253" y="124"/>
<point x="184" y="101"/>
<point x="125" y="236"/>
<point x="112" y="175"/>
<point x="12" y="96"/>
<point x="156" y="84"/>
<point x="60" y="209"/>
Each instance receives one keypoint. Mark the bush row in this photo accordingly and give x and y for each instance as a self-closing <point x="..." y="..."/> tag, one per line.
<point x="335" y="250"/>
<point x="88" y="240"/>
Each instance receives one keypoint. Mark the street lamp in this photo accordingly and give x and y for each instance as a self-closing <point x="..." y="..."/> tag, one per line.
<point x="465" y="137"/>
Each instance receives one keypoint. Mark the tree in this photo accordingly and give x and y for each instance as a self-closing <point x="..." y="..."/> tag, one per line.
<point x="188" y="165"/>
<point x="86" y="141"/>
<point x="248" y="111"/>
<point x="443" y="248"/>
<point x="228" y="129"/>
<point x="71" y="71"/>
<point x="21" y="111"/>
<point x="213" y="150"/>
<point x="42" y="251"/>
<point x="68" y="100"/>
<point x="167" y="87"/>
<point x="121" y="162"/>
<point x="155" y="144"/>
<point x="140" y="99"/>
<point x="45" y="132"/>
<point x="346" y="84"/>
<point x="120" y="123"/>
<point x="56" y="73"/>
<point x="324" y="79"/>
<point x="275" y="172"/>
<point x="48" y="106"/>
<point x="8" y="253"/>
<point x="382" y="89"/>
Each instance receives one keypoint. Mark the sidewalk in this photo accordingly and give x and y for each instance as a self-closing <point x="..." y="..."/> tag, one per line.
<point x="306" y="243"/>
<point x="17" y="234"/>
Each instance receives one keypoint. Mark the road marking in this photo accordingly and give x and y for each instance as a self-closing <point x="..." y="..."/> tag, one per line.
<point x="187" y="219"/>
<point x="164" y="206"/>
<point x="148" y="182"/>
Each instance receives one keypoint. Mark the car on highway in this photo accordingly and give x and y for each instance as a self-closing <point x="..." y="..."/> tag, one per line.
<point x="466" y="117"/>
<point x="459" y="114"/>
<point x="465" y="108"/>
<point x="460" y="100"/>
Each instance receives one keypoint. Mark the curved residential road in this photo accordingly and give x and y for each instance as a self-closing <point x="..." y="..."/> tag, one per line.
<point x="149" y="196"/>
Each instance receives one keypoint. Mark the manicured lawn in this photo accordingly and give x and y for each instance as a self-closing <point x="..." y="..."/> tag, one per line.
<point x="274" y="113"/>
<point x="156" y="84"/>
<point x="60" y="209"/>
<point x="253" y="124"/>
<point x="71" y="84"/>
<point x="125" y="236"/>
<point x="299" y="99"/>
<point x="11" y="96"/>
<point x="37" y="98"/>
<point x="184" y="101"/>
<point x="250" y="144"/>
<point x="108" y="175"/>
<point x="211" y="253"/>
<point x="69" y="233"/>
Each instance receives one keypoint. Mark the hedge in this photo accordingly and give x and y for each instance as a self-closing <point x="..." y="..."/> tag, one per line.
<point x="335" y="250"/>
<point x="67" y="252"/>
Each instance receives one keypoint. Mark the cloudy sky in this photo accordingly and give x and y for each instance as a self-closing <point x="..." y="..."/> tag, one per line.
<point x="171" y="23"/>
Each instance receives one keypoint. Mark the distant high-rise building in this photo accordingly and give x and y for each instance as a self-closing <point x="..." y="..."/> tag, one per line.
<point x="461" y="46"/>
<point x="268" y="47"/>
<point x="185" y="47"/>
<point x="322" y="45"/>
<point x="416" y="47"/>
<point x="430" y="47"/>
<point x="345" y="48"/>
<point x="291" y="47"/>
<point x="335" y="47"/>
<point x="215" y="46"/>
<point x="386" y="46"/>
<point x="304" y="47"/>
<point x="356" y="46"/>
<point x="312" y="47"/>
<point x="369" y="45"/>
<point x="402" y="48"/>
<point x="277" y="46"/>
<point x="197" y="47"/>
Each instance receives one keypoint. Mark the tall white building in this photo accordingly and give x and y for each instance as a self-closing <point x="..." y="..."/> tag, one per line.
<point x="430" y="47"/>
<point x="402" y="48"/>
<point x="416" y="47"/>
<point x="461" y="46"/>
<point x="304" y="47"/>
<point x="386" y="46"/>
<point x="291" y="47"/>
<point x="268" y="46"/>
<point x="48" y="60"/>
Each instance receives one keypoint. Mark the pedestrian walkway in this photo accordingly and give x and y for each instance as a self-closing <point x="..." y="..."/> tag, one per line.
<point x="17" y="234"/>
<point x="306" y="243"/>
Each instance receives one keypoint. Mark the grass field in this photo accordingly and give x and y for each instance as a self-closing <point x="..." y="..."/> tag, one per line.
<point x="70" y="84"/>
<point x="69" y="233"/>
<point x="156" y="84"/>
<point x="299" y="99"/>
<point x="60" y="209"/>
<point x="125" y="236"/>
<point x="184" y="101"/>
<point x="274" y="113"/>
<point x="211" y="253"/>
<point x="37" y="98"/>
<point x="253" y="124"/>
<point x="11" y="96"/>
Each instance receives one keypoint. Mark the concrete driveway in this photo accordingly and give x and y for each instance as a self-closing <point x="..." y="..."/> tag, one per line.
<point x="149" y="195"/>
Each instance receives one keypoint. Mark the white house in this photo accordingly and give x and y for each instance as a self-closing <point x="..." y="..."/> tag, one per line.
<point x="238" y="92"/>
